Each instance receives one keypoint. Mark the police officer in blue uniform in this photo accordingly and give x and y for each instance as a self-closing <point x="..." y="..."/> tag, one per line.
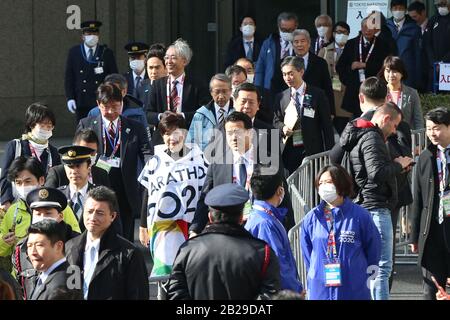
<point x="136" y="74"/>
<point x="87" y="66"/>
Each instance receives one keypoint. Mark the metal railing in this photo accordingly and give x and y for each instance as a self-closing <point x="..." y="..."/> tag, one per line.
<point x="161" y="282"/>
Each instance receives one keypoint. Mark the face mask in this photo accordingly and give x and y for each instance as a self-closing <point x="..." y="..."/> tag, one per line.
<point x="341" y="38"/>
<point x="327" y="192"/>
<point x="93" y="159"/>
<point x="42" y="134"/>
<point x="282" y="198"/>
<point x="322" y="31"/>
<point x="443" y="11"/>
<point x="22" y="192"/>
<point x="286" y="36"/>
<point x="137" y="65"/>
<point x="250" y="78"/>
<point x="91" y="40"/>
<point x="37" y="219"/>
<point x="398" y="15"/>
<point x="248" y="30"/>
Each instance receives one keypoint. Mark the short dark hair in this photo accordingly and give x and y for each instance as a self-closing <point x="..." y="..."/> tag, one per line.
<point x="231" y="215"/>
<point x="389" y="108"/>
<point x="247" y="87"/>
<point x="393" y="63"/>
<point x="108" y="92"/>
<point x="417" y="6"/>
<point x="170" y="121"/>
<point x="340" y="177"/>
<point x="38" y="112"/>
<point x="241" y="19"/>
<point x="342" y="24"/>
<point x="118" y="79"/>
<point x="105" y="194"/>
<point x="287" y="16"/>
<point x="237" y="116"/>
<point x="87" y="135"/>
<point x="264" y="186"/>
<point x="398" y="3"/>
<point x="235" y="70"/>
<point x="22" y="163"/>
<point x="297" y="62"/>
<point x="374" y="89"/>
<point x="440" y="115"/>
<point x="247" y="60"/>
<point x="157" y="50"/>
<point x="53" y="230"/>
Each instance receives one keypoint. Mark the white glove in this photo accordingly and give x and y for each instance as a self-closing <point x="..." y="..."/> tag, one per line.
<point x="71" y="105"/>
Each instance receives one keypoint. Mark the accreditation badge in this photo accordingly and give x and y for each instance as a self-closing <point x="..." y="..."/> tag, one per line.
<point x="332" y="272"/>
<point x="297" y="138"/>
<point x="446" y="203"/>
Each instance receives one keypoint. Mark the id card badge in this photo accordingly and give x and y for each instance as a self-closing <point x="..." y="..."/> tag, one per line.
<point x="332" y="273"/>
<point x="247" y="209"/>
<point x="309" y="112"/>
<point x="297" y="138"/>
<point x="446" y="203"/>
<point x="114" y="162"/>
<point x="362" y="75"/>
<point x="102" y="163"/>
<point x="98" y="70"/>
<point x="337" y="85"/>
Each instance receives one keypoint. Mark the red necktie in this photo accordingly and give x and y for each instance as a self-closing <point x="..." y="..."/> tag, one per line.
<point x="174" y="97"/>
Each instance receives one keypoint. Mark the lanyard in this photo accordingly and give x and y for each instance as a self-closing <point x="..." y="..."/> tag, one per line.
<point x="441" y="159"/>
<point x="331" y="241"/>
<point x="399" y="98"/>
<point x="268" y="211"/>
<point x="370" y="50"/>
<point x="83" y="53"/>
<point x="34" y="154"/>
<point x="115" y="146"/>
<point x="169" y="89"/>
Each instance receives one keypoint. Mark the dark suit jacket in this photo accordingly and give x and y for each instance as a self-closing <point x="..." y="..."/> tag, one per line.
<point x="194" y="96"/>
<point x="55" y="286"/>
<point x="143" y="93"/>
<point x="318" y="135"/>
<point x="134" y="149"/>
<point x="350" y="78"/>
<point x="222" y="172"/>
<point x="8" y="158"/>
<point x="130" y="80"/>
<point x="56" y="177"/>
<point x="236" y="50"/>
<point x="317" y="75"/>
<point x="120" y="273"/>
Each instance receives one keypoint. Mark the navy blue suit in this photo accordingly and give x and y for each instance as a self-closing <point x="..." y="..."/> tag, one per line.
<point x="81" y="81"/>
<point x="130" y="80"/>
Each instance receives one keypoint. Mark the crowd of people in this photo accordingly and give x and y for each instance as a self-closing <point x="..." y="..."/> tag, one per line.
<point x="205" y="172"/>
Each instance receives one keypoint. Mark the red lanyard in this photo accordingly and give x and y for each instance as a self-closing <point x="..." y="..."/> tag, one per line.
<point x="442" y="173"/>
<point x="116" y="144"/>
<point x="370" y="51"/>
<point x="169" y="89"/>
<point x="331" y="242"/>
<point x="35" y="155"/>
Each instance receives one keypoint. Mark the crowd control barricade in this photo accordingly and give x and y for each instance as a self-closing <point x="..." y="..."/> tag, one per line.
<point x="162" y="283"/>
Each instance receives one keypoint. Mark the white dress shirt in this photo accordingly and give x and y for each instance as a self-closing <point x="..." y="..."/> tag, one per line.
<point x="249" y="162"/>
<point x="86" y="49"/>
<point x="142" y="75"/>
<point x="226" y="108"/>
<point x="301" y="94"/>
<point x="399" y="24"/>
<point x="82" y="191"/>
<point x="44" y="275"/>
<point x="306" y="59"/>
<point x="88" y="264"/>
<point x="180" y="80"/>
<point x="252" y="40"/>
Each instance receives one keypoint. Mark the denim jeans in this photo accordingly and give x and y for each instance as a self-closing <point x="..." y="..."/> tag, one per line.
<point x="379" y="287"/>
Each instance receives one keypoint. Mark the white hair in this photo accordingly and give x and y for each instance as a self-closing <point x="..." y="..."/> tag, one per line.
<point x="303" y="32"/>
<point x="182" y="48"/>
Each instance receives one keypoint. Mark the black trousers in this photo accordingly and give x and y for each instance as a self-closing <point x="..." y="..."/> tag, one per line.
<point x="340" y="123"/>
<point x="435" y="260"/>
<point x="292" y="156"/>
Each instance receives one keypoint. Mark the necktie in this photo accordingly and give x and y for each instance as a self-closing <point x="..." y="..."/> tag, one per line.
<point x="221" y="116"/>
<point x="445" y="178"/>
<point x="78" y="206"/>
<point x="285" y="51"/>
<point x="91" y="54"/>
<point x="138" y="82"/>
<point x="112" y="131"/>
<point x="174" y="97"/>
<point x="89" y="268"/>
<point x="321" y="44"/>
<point x="297" y="103"/>
<point x="242" y="173"/>
<point x="37" y="288"/>
<point x="250" y="50"/>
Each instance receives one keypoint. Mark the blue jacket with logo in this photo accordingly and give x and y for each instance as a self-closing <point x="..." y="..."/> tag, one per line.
<point x="269" y="228"/>
<point x="266" y="63"/>
<point x="358" y="245"/>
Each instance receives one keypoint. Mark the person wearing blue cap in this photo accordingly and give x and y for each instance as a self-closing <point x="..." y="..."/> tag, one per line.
<point x="87" y="66"/>
<point x="205" y="269"/>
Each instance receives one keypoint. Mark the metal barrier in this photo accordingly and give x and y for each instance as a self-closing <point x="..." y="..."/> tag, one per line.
<point x="161" y="282"/>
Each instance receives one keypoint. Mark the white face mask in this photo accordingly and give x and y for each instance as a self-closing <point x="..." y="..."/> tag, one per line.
<point x="22" y="192"/>
<point x="93" y="159"/>
<point x="322" y="31"/>
<point x="137" y="65"/>
<point x="37" y="219"/>
<point x="327" y="192"/>
<point x="250" y="78"/>
<point x="282" y="198"/>
<point x="91" y="40"/>
<point x="248" y="30"/>
<point x="42" y="134"/>
<point x="398" y="15"/>
<point x="286" y="36"/>
<point x="443" y="11"/>
<point x="341" y="38"/>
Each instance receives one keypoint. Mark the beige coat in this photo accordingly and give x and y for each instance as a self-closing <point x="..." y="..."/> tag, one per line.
<point x="329" y="54"/>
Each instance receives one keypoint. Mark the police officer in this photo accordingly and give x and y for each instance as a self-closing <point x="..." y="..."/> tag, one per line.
<point x="136" y="57"/>
<point x="247" y="269"/>
<point x="87" y="66"/>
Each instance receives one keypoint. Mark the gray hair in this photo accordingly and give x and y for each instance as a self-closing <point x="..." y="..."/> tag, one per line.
<point x="220" y="77"/>
<point x="327" y="17"/>
<point x="235" y="70"/>
<point x="287" y="16"/>
<point x="304" y="32"/>
<point x="182" y="49"/>
<point x="297" y="62"/>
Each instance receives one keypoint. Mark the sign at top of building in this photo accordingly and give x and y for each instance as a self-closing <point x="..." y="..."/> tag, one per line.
<point x="358" y="10"/>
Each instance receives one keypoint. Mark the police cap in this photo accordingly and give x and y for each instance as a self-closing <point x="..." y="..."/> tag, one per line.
<point x="46" y="198"/>
<point x="226" y="195"/>
<point x="136" y="48"/>
<point x="75" y="154"/>
<point x="91" y="26"/>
